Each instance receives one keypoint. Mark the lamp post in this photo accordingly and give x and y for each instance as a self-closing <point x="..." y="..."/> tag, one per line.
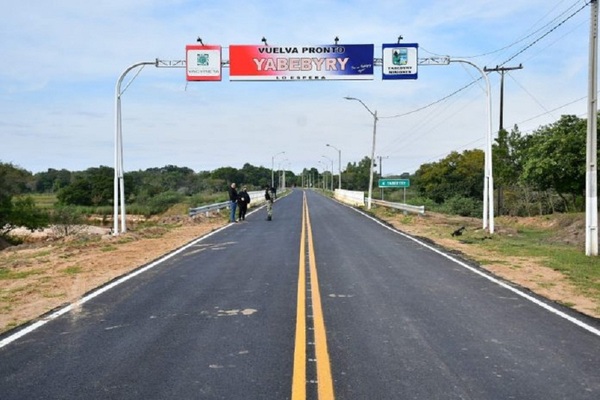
<point x="281" y="173"/>
<point x="488" y="180"/>
<point x="273" y="166"/>
<point x="331" y="171"/>
<point x="324" y="177"/>
<point x="339" y="165"/>
<point x="374" y="114"/>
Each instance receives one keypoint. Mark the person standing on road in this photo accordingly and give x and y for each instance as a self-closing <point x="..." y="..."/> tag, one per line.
<point x="243" y="201"/>
<point x="269" y="199"/>
<point x="233" y="198"/>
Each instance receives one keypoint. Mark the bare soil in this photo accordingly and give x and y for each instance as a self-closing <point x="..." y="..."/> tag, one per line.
<point x="47" y="272"/>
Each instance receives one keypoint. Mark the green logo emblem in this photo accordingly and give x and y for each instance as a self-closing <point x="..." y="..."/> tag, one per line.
<point x="202" y="59"/>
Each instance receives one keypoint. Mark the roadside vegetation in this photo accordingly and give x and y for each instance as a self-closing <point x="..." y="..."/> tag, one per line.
<point x="540" y="175"/>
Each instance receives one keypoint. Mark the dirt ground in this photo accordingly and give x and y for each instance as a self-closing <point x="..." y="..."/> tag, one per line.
<point x="45" y="272"/>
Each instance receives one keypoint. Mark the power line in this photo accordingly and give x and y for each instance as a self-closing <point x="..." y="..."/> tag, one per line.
<point x="546" y="34"/>
<point x="501" y="64"/>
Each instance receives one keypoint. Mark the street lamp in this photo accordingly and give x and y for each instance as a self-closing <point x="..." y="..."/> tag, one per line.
<point x="281" y="173"/>
<point x="374" y="114"/>
<point x="324" y="176"/>
<point x="273" y="166"/>
<point x="331" y="171"/>
<point x="339" y="165"/>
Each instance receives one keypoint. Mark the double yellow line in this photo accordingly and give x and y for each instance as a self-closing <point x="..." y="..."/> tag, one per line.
<point x="323" y="368"/>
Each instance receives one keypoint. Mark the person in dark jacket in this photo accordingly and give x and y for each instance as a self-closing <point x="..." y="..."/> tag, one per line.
<point x="269" y="199"/>
<point x="243" y="201"/>
<point x="233" y="198"/>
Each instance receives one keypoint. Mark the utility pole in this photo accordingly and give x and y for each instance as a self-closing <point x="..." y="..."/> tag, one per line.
<point x="591" y="170"/>
<point x="502" y="70"/>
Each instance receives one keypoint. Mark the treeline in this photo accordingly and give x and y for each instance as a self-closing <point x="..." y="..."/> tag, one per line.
<point x="535" y="174"/>
<point x="539" y="173"/>
<point x="91" y="191"/>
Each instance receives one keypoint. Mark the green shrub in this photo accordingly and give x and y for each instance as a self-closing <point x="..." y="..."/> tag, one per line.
<point x="463" y="206"/>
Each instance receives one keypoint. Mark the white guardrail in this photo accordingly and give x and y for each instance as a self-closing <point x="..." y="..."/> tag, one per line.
<point x="400" y="206"/>
<point x="356" y="198"/>
<point x="256" y="197"/>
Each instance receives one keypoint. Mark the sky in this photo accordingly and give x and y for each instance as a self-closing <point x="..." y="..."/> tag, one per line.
<point x="62" y="59"/>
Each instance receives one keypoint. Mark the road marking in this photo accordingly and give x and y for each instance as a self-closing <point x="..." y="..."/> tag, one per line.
<point x="28" y="329"/>
<point x="299" y="377"/>
<point x="491" y="278"/>
<point x="323" y="366"/>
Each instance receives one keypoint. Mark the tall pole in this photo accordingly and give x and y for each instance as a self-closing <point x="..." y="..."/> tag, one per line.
<point x="339" y="166"/>
<point x="488" y="180"/>
<point x="273" y="167"/>
<point x="591" y="184"/>
<point x="374" y="114"/>
<point x="372" y="158"/>
<point x="331" y="160"/>
<point x="502" y="70"/>
<point x="119" y="182"/>
<point x="381" y="171"/>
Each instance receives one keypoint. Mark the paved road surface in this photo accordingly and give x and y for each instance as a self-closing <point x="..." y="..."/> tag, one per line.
<point x="320" y="303"/>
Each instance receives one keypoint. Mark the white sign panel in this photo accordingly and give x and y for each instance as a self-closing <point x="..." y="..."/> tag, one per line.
<point x="203" y="63"/>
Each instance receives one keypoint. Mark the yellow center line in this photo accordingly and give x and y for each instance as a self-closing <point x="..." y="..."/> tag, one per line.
<point x="325" y="381"/>
<point x="299" y="378"/>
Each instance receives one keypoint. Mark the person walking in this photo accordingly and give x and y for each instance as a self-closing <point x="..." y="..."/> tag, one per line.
<point x="243" y="201"/>
<point x="269" y="199"/>
<point x="233" y="198"/>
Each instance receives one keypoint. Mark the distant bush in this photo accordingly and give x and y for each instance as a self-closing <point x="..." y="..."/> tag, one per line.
<point x="67" y="220"/>
<point x="160" y="203"/>
<point x="463" y="206"/>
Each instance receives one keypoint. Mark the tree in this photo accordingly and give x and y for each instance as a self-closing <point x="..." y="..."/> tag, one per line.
<point x="229" y="175"/>
<point x="555" y="158"/>
<point x="51" y="180"/>
<point x="14" y="181"/>
<point x="92" y="187"/>
<point x="357" y="176"/>
<point x="456" y="175"/>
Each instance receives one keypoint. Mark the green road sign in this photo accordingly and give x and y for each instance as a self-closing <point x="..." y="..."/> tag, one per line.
<point x="394" y="183"/>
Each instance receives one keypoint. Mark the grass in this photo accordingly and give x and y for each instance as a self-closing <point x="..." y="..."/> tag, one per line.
<point x="108" y="248"/>
<point x="74" y="270"/>
<point x="7" y="274"/>
<point x="570" y="260"/>
<point x="44" y="200"/>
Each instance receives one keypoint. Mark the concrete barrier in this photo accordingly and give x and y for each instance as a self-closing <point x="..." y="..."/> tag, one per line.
<point x="357" y="199"/>
<point x="354" y="198"/>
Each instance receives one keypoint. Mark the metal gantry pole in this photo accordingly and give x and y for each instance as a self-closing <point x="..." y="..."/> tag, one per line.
<point x="119" y="183"/>
<point x="488" y="184"/>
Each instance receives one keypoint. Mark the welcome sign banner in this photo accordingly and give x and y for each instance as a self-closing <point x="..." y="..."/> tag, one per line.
<point x="293" y="63"/>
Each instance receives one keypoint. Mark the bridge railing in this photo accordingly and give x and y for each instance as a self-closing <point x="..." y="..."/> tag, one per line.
<point x="357" y="198"/>
<point x="256" y="197"/>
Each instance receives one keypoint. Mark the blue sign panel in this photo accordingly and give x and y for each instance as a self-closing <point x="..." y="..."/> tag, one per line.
<point x="400" y="61"/>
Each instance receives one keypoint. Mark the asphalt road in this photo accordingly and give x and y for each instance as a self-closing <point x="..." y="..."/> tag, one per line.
<point x="381" y="316"/>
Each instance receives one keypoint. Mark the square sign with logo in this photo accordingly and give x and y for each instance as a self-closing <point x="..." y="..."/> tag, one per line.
<point x="400" y="61"/>
<point x="203" y="63"/>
